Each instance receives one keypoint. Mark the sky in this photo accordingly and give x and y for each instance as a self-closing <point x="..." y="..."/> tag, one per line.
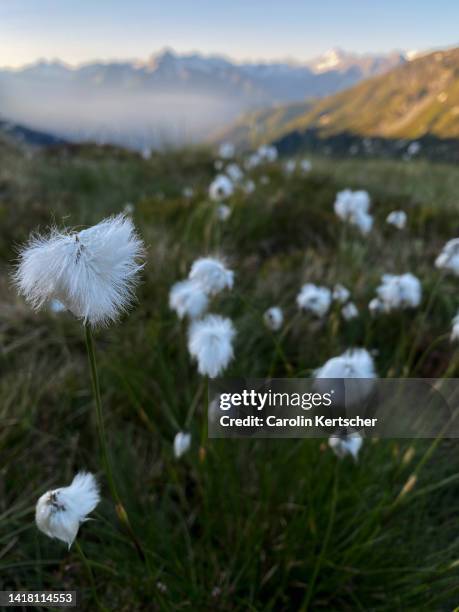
<point x="78" y="31"/>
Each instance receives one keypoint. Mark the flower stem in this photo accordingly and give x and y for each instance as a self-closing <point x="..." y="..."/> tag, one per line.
<point x="119" y="507"/>
<point x="90" y="576"/>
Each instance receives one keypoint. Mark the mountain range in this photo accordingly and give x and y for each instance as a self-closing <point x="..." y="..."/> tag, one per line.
<point x="169" y="98"/>
<point x="417" y="99"/>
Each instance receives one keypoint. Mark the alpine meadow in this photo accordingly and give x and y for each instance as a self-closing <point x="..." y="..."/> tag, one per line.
<point x="229" y="306"/>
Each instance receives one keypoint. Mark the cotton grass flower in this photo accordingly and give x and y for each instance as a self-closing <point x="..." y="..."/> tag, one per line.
<point x="212" y="275"/>
<point x="349" y="311"/>
<point x="449" y="257"/>
<point x="267" y="153"/>
<point x="210" y="342"/>
<point x="346" y="444"/>
<point x="376" y="306"/>
<point x="399" y="292"/>
<point x="455" y="328"/>
<point x="248" y="187"/>
<point x="234" y="172"/>
<point x="356" y="368"/>
<point x="305" y="166"/>
<point x="223" y="212"/>
<point x="290" y="166"/>
<point x="188" y="299"/>
<point x="273" y="318"/>
<point x="314" y="299"/>
<point x="226" y="150"/>
<point x="221" y="188"/>
<point x="353" y="207"/>
<point x="397" y="218"/>
<point x="182" y="443"/>
<point x="59" y="513"/>
<point x="340" y="293"/>
<point x="93" y="273"/>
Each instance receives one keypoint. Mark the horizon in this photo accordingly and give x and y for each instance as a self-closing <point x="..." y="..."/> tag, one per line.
<point x="31" y="30"/>
<point x="409" y="54"/>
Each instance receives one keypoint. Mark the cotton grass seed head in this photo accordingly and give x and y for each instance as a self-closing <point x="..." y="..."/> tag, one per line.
<point x="188" y="299"/>
<point x="223" y="212"/>
<point x="273" y="318"/>
<point x="182" y="443"/>
<point x="314" y="299"/>
<point x="399" y="292"/>
<point x="340" y="293"/>
<point x="226" y="150"/>
<point x="346" y="444"/>
<point x="212" y="275"/>
<point x="397" y="218"/>
<point x="221" y="188"/>
<point x="353" y="207"/>
<point x="210" y="342"/>
<point x="59" y="513"/>
<point x="455" y="328"/>
<point x="356" y="367"/>
<point x="449" y="257"/>
<point x="93" y="273"/>
<point x="349" y="311"/>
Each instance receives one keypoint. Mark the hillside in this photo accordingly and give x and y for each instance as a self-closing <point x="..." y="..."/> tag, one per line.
<point x="416" y="99"/>
<point x="177" y="98"/>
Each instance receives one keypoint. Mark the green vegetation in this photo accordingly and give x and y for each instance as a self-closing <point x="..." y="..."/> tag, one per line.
<point x="259" y="525"/>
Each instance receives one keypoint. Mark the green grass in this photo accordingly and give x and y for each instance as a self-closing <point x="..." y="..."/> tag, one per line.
<point x="258" y="525"/>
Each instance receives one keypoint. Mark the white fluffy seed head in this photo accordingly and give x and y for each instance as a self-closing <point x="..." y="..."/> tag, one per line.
<point x="273" y="318"/>
<point x="349" y="311"/>
<point x="305" y="165"/>
<point x="449" y="257"/>
<point x="234" y="172"/>
<point x="221" y="188"/>
<point x="182" y="443"/>
<point x="397" y="218"/>
<point x="212" y="275"/>
<point x="341" y="294"/>
<point x="59" y="513"/>
<point x="188" y="299"/>
<point x="93" y="273"/>
<point x="353" y="207"/>
<point x="348" y="444"/>
<point x="226" y="150"/>
<point x="356" y="366"/>
<point x="314" y="299"/>
<point x="223" y="212"/>
<point x="210" y="342"/>
<point x="455" y="328"/>
<point x="399" y="292"/>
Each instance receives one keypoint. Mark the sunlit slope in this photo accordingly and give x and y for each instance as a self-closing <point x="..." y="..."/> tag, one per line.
<point x="419" y="98"/>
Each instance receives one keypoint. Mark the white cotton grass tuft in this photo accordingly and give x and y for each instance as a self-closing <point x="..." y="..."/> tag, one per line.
<point x="188" y="299"/>
<point x="221" y="188"/>
<point x="449" y="257"/>
<point x="376" y="306"/>
<point x="340" y="293"/>
<point x="349" y="311"/>
<point x="399" y="292"/>
<point x="305" y="166"/>
<point x="226" y="150"/>
<point x="273" y="318"/>
<point x="314" y="299"/>
<point x="234" y="172"/>
<point x="353" y="207"/>
<point x="223" y="212"/>
<point x="210" y="342"/>
<point x="93" y="273"/>
<point x="182" y="443"/>
<point x="212" y="275"/>
<point x="455" y="328"/>
<point x="188" y="192"/>
<point x="397" y="218"/>
<point x="353" y="364"/>
<point x="248" y="187"/>
<point x="290" y="166"/>
<point x="60" y="512"/>
<point x="346" y="444"/>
